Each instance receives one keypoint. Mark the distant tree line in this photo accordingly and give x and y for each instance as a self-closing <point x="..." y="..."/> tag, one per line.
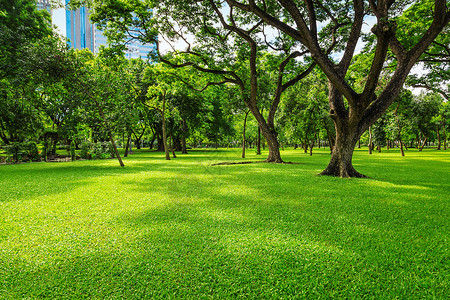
<point x="259" y="74"/>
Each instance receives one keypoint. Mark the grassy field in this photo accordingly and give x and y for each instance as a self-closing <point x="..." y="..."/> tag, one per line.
<point x="185" y="229"/>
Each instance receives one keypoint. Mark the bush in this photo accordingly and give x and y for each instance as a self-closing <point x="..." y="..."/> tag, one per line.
<point x="107" y="150"/>
<point x="72" y="150"/>
<point x="85" y="150"/>
<point x="14" y="149"/>
<point x="27" y="151"/>
<point x="110" y="150"/>
<point x="32" y="151"/>
<point x="99" y="150"/>
<point x="45" y="150"/>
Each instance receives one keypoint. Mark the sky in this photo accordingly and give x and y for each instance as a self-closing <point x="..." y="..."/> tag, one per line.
<point x="58" y="19"/>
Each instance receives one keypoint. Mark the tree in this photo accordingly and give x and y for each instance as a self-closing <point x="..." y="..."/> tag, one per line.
<point x="21" y="26"/>
<point x="19" y="117"/>
<point x="444" y="116"/>
<point x="162" y="83"/>
<point x="217" y="115"/>
<point x="189" y="106"/>
<point x="304" y="112"/>
<point x="226" y="45"/>
<point x="399" y="115"/>
<point x="353" y="112"/>
<point x="435" y="60"/>
<point x="425" y="109"/>
<point x="98" y="82"/>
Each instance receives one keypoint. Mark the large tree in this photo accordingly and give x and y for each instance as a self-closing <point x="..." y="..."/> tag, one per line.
<point x="21" y="27"/>
<point x="435" y="60"/>
<point x="219" y="40"/>
<point x="21" y="24"/>
<point x="353" y="112"/>
<point x="98" y="82"/>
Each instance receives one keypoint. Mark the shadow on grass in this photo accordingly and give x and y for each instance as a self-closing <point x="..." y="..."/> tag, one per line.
<point x="250" y="231"/>
<point x="21" y="182"/>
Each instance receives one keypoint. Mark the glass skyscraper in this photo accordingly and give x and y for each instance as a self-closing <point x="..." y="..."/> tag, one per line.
<point x="79" y="30"/>
<point x="82" y="34"/>
<point x="44" y="4"/>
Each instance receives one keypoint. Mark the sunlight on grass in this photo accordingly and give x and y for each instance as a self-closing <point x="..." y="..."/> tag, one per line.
<point x="186" y="229"/>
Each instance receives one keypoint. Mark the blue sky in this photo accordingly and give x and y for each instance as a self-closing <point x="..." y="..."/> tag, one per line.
<point x="58" y="19"/>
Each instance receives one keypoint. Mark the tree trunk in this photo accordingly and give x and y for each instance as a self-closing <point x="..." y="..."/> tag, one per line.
<point x="311" y="145"/>
<point x="183" y="137"/>
<point x="341" y="157"/>
<point x="423" y="144"/>
<point x="331" y="138"/>
<point x="445" y="134"/>
<point x="111" y="138"/>
<point x="160" y="142"/>
<point x="348" y="132"/>
<point x="370" y="140"/>
<point x="127" y="145"/>
<point x="163" y="118"/>
<point x="3" y="135"/>
<point x="445" y="138"/>
<point x="172" y="147"/>
<point x="139" y="138"/>
<point x="152" y="141"/>
<point x="401" y="148"/>
<point x="270" y="136"/>
<point x="258" y="145"/>
<point x="243" y="134"/>
<point x="439" y="139"/>
<point x="130" y="151"/>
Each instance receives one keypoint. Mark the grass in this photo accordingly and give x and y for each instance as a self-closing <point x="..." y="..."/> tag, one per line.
<point x="184" y="229"/>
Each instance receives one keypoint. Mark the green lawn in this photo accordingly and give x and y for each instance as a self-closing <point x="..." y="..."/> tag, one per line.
<point x="185" y="229"/>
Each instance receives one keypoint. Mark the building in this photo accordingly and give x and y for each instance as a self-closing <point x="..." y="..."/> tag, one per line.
<point x="79" y="30"/>
<point x="81" y="34"/>
<point x="44" y="4"/>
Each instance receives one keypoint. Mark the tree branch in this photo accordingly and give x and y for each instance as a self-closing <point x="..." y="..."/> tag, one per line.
<point x="428" y="87"/>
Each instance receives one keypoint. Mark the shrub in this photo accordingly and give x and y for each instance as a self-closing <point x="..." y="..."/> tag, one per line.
<point x="72" y="150"/>
<point x="107" y="150"/>
<point x="32" y="151"/>
<point x="103" y="150"/>
<point x="85" y="150"/>
<point x="27" y="151"/>
<point x="110" y="150"/>
<point x="99" y="150"/>
<point x="45" y="150"/>
<point x="14" y="149"/>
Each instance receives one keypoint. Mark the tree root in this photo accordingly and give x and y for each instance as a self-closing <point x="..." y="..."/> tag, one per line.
<point x="352" y="173"/>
